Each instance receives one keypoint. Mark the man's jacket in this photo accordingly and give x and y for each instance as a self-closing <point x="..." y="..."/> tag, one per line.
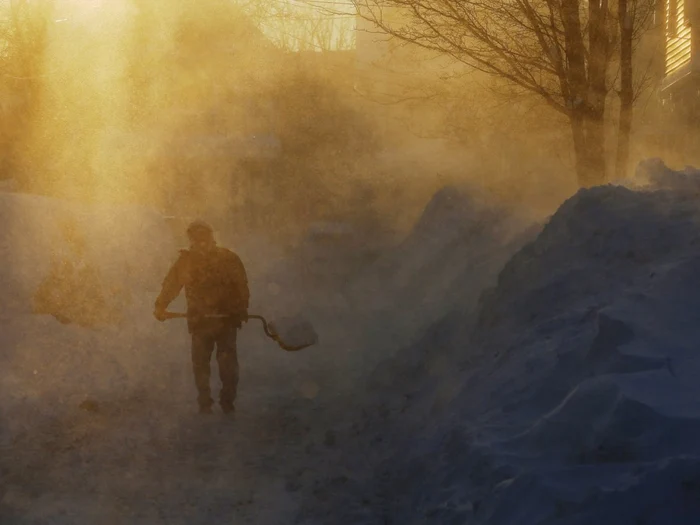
<point x="215" y="283"/>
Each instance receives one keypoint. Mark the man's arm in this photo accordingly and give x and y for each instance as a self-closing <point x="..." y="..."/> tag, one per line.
<point x="239" y="280"/>
<point x="172" y="284"/>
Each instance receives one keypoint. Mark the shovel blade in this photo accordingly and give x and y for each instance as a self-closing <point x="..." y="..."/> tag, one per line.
<point x="293" y="333"/>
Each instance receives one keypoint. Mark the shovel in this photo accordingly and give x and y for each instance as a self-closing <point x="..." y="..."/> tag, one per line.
<point x="291" y="333"/>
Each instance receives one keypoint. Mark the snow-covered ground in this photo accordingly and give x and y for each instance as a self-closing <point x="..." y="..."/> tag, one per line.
<point x="99" y="425"/>
<point x="482" y="370"/>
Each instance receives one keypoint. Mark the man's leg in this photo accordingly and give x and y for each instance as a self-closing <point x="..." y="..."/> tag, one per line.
<point x="202" y="347"/>
<point x="227" y="358"/>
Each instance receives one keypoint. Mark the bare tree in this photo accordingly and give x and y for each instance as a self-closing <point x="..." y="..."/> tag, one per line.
<point x="633" y="18"/>
<point x="626" y="86"/>
<point x="306" y="25"/>
<point x="563" y="51"/>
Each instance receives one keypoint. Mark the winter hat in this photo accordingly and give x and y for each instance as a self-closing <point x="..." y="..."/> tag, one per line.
<point x="199" y="229"/>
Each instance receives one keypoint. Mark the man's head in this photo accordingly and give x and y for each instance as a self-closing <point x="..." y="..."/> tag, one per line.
<point x="201" y="236"/>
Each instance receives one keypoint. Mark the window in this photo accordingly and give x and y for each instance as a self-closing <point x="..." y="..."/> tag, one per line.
<point x="672" y="18"/>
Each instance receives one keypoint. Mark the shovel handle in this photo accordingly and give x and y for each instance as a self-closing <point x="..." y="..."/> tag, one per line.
<point x="268" y="332"/>
<point x="180" y="315"/>
<point x="174" y="315"/>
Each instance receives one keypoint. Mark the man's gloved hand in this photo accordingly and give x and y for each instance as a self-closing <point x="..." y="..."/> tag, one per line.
<point x="159" y="313"/>
<point x="239" y="318"/>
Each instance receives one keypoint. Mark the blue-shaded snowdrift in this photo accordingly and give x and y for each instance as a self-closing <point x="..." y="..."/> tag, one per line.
<point x="573" y="397"/>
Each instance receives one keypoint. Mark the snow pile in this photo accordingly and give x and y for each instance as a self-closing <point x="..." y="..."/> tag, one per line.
<point x="573" y="397"/>
<point x="654" y="173"/>
<point x="454" y="251"/>
<point x="366" y="302"/>
<point x="49" y="367"/>
<point x="130" y="246"/>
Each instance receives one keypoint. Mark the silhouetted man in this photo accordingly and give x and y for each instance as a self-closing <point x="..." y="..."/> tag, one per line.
<point x="216" y="289"/>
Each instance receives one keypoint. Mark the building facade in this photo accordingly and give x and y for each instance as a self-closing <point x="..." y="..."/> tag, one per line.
<point x="680" y="87"/>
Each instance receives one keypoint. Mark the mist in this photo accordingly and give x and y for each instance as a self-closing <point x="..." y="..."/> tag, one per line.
<point x="195" y="112"/>
<point x="423" y="215"/>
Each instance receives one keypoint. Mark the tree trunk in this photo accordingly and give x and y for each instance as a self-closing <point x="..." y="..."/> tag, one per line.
<point x="586" y="104"/>
<point x="626" y="90"/>
<point x="595" y="140"/>
<point x="580" y="151"/>
<point x="598" y="62"/>
<point x="588" y="137"/>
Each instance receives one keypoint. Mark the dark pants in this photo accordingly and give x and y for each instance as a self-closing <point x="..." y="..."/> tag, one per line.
<point x="226" y="355"/>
